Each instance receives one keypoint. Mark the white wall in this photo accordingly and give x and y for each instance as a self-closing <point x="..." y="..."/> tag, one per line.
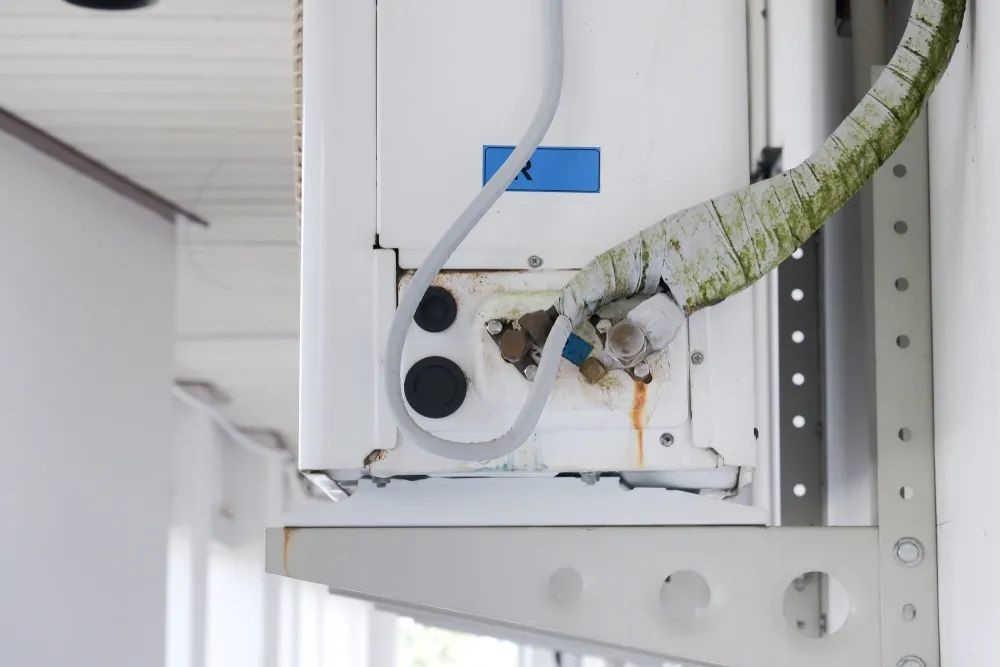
<point x="86" y="343"/>
<point x="965" y="173"/>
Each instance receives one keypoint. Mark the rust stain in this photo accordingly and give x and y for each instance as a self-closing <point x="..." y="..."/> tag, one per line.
<point x="639" y="417"/>
<point x="284" y="557"/>
<point x="374" y="456"/>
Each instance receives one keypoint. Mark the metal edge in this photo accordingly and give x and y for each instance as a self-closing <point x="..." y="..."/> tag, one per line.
<point x="82" y="163"/>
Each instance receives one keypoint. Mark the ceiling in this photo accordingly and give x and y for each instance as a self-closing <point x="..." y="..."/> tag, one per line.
<point x="194" y="100"/>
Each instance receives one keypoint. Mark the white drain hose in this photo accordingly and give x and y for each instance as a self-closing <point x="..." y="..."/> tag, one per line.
<point x="548" y="366"/>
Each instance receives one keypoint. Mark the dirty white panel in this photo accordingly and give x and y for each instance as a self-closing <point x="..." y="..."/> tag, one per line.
<point x="670" y="133"/>
<point x="612" y="425"/>
<point x="659" y="86"/>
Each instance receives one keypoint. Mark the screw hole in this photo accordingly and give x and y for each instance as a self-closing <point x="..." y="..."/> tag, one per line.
<point x="905" y="434"/>
<point x="909" y="612"/>
<point x="906" y="493"/>
<point x="903" y="342"/>
<point x="902" y="284"/>
<point x="899" y="170"/>
<point x="802" y="612"/>
<point x="901" y="227"/>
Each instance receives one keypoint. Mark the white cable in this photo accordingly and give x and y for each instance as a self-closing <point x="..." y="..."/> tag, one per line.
<point x="469" y="218"/>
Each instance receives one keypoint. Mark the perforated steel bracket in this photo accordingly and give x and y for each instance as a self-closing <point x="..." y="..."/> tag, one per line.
<point x="904" y="405"/>
<point x="604" y="586"/>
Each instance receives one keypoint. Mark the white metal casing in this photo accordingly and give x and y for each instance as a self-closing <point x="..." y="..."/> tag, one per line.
<point x="456" y="75"/>
<point x="670" y="135"/>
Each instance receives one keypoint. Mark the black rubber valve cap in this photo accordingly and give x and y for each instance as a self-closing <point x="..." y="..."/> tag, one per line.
<point x="437" y="310"/>
<point x="435" y="387"/>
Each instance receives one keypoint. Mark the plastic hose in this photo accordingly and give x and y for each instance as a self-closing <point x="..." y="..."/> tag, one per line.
<point x="548" y="366"/>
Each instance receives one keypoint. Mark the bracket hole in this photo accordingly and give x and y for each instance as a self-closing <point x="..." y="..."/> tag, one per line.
<point x="798" y="421"/>
<point x="798" y="336"/>
<point x="905" y="434"/>
<point x="816" y="604"/>
<point x="903" y="342"/>
<point x="798" y="379"/>
<point x="909" y="612"/>
<point x="797" y="294"/>
<point x="899" y="170"/>
<point x="900" y="227"/>
<point x="685" y="596"/>
<point x="906" y="492"/>
<point x="797" y="253"/>
<point x="902" y="284"/>
<point x="799" y="490"/>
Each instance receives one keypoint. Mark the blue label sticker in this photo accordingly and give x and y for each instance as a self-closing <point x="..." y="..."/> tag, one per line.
<point x="550" y="169"/>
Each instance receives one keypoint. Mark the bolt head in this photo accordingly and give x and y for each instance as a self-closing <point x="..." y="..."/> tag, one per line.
<point x="697" y="357"/>
<point x="589" y="478"/>
<point x="535" y="261"/>
<point x="641" y="370"/>
<point x="909" y="552"/>
<point x="380" y="482"/>
<point x="566" y="585"/>
<point x="911" y="661"/>
<point x="494" y="327"/>
<point x="530" y="371"/>
<point x="666" y="439"/>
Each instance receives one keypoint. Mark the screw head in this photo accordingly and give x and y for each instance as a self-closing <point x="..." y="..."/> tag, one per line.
<point x="666" y="439"/>
<point x="697" y="357"/>
<point x="494" y="327"/>
<point x="530" y="371"/>
<point x="909" y="552"/>
<point x="589" y="478"/>
<point x="535" y="261"/>
<point x="911" y="661"/>
<point x="603" y="326"/>
<point x="566" y="585"/>
<point x="380" y="482"/>
<point x="641" y="370"/>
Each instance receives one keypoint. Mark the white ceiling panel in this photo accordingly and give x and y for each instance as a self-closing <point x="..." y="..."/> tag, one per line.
<point x="192" y="99"/>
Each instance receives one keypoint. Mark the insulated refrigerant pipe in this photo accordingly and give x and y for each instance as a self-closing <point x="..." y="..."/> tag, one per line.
<point x="717" y="248"/>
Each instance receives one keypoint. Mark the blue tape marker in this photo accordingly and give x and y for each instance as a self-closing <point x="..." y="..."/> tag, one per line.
<point x="576" y="349"/>
<point x="550" y="169"/>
